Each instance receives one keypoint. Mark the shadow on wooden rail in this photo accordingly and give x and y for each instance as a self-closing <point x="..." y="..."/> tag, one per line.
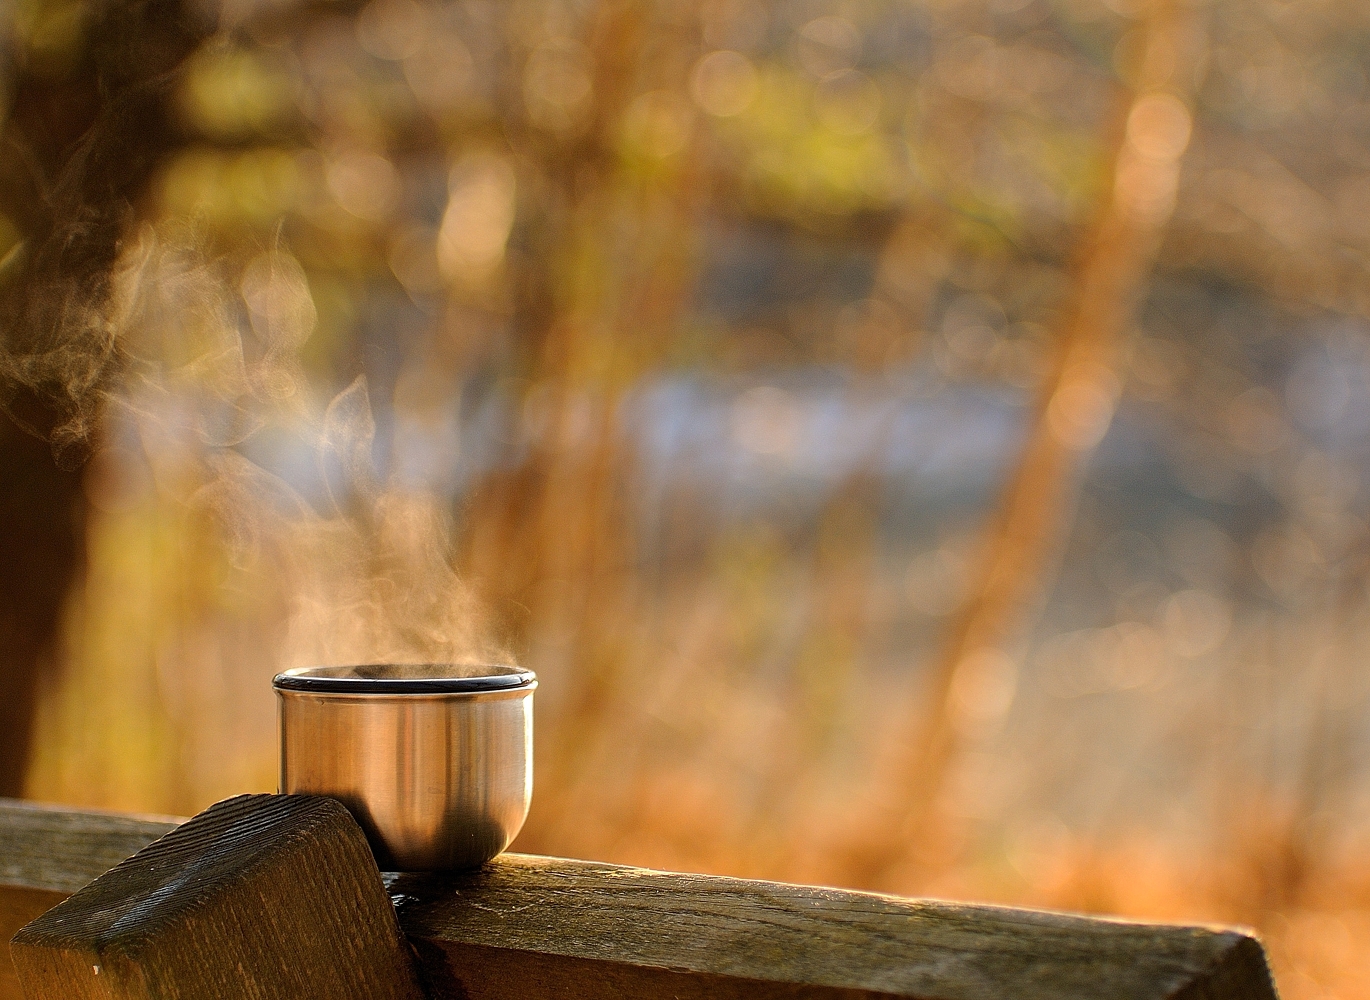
<point x="533" y="927"/>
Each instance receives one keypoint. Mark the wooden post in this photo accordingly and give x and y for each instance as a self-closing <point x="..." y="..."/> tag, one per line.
<point x="261" y="896"/>
<point x="539" y="928"/>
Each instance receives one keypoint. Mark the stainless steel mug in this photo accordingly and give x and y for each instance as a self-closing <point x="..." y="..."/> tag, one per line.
<point x="434" y="760"/>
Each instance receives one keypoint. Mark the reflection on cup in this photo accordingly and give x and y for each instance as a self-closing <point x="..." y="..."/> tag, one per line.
<point x="434" y="760"/>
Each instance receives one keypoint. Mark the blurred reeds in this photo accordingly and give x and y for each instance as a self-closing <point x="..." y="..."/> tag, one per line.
<point x="751" y="374"/>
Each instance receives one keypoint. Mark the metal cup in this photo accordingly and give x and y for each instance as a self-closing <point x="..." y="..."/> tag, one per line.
<point x="434" y="760"/>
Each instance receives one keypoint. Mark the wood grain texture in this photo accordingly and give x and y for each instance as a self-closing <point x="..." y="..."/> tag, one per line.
<point x="60" y="850"/>
<point x="260" y="896"/>
<point x="533" y="927"/>
<point x="540" y="927"/>
<point x="19" y="905"/>
<point x="48" y="852"/>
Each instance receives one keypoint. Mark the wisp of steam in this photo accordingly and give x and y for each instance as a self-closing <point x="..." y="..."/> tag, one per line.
<point x="211" y="368"/>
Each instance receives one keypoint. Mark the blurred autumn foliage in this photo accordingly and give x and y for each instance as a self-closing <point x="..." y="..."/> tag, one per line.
<point x="919" y="445"/>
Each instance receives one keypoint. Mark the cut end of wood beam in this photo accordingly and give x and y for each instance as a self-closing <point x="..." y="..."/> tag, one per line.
<point x="258" y="896"/>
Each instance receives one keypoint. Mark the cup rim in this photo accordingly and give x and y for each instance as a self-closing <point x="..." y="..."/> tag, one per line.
<point x="404" y="678"/>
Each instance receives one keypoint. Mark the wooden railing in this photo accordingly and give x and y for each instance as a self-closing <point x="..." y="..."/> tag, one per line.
<point x="274" y="887"/>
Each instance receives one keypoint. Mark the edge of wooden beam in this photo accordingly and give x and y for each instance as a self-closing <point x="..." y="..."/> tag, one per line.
<point x="48" y="852"/>
<point x="827" y="940"/>
<point x="531" y="922"/>
<point x="259" y="895"/>
<point x="60" y="849"/>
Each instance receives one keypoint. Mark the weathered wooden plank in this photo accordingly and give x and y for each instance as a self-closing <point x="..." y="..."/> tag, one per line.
<point x="539" y="927"/>
<point x="60" y="850"/>
<point x="534" y="927"/>
<point x="47" y="853"/>
<point x="264" y="896"/>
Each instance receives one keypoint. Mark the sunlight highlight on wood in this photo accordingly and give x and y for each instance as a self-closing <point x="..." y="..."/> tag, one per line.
<point x="532" y="927"/>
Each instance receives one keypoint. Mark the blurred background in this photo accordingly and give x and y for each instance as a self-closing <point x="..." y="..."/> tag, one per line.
<point x="920" y="445"/>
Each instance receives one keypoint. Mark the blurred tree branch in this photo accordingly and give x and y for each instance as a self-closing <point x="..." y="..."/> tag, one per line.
<point x="88" y="125"/>
<point x="1022" y="543"/>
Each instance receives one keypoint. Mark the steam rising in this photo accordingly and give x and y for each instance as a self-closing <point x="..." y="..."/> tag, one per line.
<point x="60" y="343"/>
<point x="359" y="568"/>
